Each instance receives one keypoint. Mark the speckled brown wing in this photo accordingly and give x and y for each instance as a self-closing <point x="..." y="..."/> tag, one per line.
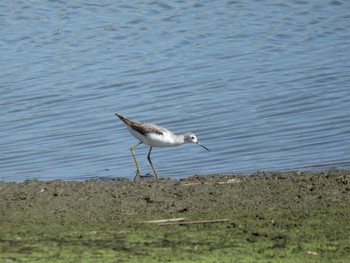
<point x="142" y="128"/>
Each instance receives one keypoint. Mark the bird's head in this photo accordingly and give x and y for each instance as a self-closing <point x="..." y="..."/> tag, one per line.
<point x="190" y="137"/>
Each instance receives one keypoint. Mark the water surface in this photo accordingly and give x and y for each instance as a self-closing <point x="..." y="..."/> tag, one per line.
<point x="263" y="84"/>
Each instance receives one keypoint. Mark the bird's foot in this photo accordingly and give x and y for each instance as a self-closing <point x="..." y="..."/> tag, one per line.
<point x="138" y="175"/>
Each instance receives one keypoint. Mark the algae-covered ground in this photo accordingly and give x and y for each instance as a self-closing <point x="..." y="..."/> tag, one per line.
<point x="265" y="217"/>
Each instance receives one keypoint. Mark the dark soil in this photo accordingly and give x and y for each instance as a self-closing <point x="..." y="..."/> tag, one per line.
<point x="271" y="217"/>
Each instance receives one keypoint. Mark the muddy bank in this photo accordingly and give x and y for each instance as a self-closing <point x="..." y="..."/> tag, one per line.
<point x="105" y="199"/>
<point x="269" y="216"/>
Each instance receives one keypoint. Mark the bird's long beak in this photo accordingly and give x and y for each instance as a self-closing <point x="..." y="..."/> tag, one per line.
<point x="203" y="146"/>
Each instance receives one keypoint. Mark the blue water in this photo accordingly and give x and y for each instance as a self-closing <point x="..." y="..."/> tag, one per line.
<point x="264" y="84"/>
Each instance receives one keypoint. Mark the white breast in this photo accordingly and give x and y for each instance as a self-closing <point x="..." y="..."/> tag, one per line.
<point x="156" y="140"/>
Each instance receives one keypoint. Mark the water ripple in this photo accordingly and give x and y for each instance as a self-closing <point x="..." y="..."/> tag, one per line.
<point x="264" y="85"/>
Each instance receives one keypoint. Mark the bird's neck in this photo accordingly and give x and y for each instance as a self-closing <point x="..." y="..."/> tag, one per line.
<point x="179" y="139"/>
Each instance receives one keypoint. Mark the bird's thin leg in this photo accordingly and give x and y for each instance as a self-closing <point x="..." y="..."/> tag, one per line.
<point x="138" y="172"/>
<point x="149" y="159"/>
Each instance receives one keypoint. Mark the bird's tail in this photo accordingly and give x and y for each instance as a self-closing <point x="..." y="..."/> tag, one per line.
<point x="123" y="119"/>
<point x="119" y="116"/>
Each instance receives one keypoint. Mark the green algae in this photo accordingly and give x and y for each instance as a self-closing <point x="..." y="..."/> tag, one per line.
<point x="264" y="236"/>
<point x="272" y="218"/>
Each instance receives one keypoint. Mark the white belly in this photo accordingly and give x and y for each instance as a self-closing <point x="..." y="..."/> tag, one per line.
<point x="155" y="140"/>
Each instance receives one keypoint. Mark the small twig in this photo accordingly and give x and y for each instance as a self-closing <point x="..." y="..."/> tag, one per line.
<point x="161" y="221"/>
<point x="194" y="222"/>
<point x="231" y="181"/>
<point x="191" y="183"/>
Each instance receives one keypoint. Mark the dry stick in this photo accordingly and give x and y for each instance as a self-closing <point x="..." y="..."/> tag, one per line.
<point x="194" y="222"/>
<point x="230" y="181"/>
<point x="164" y="220"/>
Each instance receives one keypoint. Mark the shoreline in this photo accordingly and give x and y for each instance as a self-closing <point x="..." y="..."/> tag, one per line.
<point x="264" y="216"/>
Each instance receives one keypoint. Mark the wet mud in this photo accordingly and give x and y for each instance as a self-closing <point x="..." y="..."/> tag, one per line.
<point x="269" y="217"/>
